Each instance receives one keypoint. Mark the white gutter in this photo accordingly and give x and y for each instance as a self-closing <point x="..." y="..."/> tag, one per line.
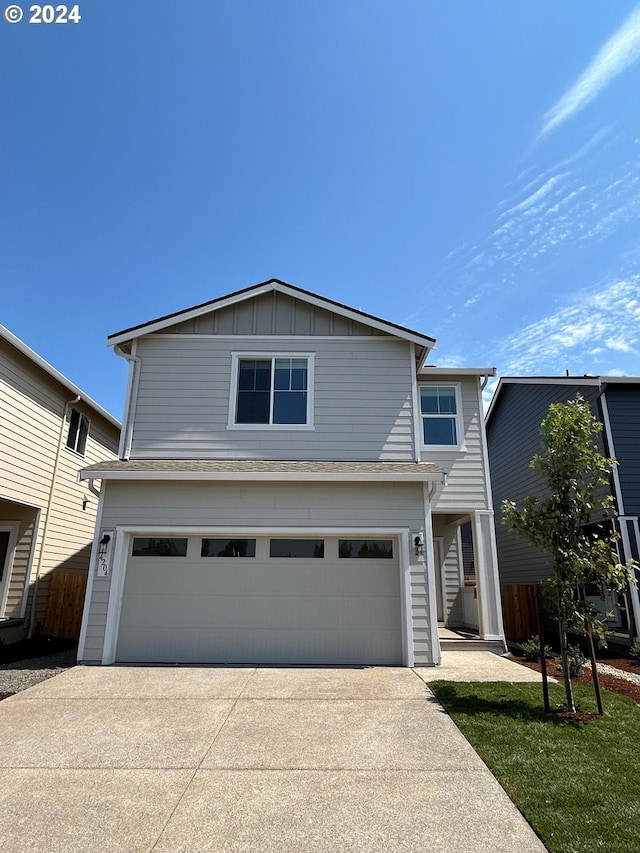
<point x="48" y="368"/>
<point x="126" y="436"/>
<point x="43" y="540"/>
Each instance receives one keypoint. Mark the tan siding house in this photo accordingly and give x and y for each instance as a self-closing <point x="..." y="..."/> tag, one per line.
<point x="50" y="429"/>
<point x="291" y="488"/>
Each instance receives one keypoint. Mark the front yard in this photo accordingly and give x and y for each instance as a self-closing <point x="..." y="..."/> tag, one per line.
<point x="576" y="783"/>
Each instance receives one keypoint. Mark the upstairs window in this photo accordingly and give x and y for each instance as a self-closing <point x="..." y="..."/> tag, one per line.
<point x="78" y="432"/>
<point x="272" y="391"/>
<point x="440" y="420"/>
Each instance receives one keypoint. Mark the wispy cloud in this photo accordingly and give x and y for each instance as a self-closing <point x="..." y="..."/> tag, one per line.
<point x="620" y="51"/>
<point x="579" y="336"/>
<point x="535" y="197"/>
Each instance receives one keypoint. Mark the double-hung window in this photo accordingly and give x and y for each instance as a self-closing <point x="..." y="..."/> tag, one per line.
<point x="271" y="391"/>
<point x="78" y="432"/>
<point x="439" y="407"/>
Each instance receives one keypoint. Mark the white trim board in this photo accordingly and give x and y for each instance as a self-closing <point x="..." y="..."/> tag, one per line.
<point x="313" y="476"/>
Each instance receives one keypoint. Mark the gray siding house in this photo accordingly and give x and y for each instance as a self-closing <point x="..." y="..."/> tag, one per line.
<point x="513" y="434"/>
<point x="49" y="428"/>
<point x="292" y="485"/>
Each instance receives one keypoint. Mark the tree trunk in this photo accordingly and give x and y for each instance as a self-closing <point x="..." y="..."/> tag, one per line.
<point x="543" y="657"/>
<point x="565" y="666"/>
<point x="594" y="668"/>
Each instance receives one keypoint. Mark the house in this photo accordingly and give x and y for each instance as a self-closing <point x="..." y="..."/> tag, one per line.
<point x="50" y="428"/>
<point x="292" y="485"/>
<point x="513" y="422"/>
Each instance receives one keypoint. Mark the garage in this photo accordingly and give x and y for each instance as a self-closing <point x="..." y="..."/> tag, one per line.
<point x="303" y="599"/>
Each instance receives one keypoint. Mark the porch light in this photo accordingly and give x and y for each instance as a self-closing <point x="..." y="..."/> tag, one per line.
<point x="419" y="545"/>
<point x="104" y="542"/>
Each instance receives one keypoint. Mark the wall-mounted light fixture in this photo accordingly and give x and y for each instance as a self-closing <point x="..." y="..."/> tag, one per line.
<point x="419" y="545"/>
<point x="104" y="544"/>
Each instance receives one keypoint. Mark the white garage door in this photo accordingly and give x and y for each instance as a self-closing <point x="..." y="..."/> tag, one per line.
<point x="313" y="600"/>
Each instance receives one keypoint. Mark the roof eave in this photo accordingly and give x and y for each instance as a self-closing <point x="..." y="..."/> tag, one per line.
<point x="424" y="341"/>
<point x="265" y="476"/>
<point x="33" y="356"/>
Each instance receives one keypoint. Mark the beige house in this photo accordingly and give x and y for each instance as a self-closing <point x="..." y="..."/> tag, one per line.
<point x="295" y="485"/>
<point x="49" y="429"/>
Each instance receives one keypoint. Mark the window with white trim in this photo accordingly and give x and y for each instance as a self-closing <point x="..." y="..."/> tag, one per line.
<point x="78" y="432"/>
<point x="439" y="407"/>
<point x="271" y="391"/>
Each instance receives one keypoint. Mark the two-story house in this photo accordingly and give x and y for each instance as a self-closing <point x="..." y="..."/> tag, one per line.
<point x="292" y="486"/>
<point x="49" y="429"/>
<point x="513" y="423"/>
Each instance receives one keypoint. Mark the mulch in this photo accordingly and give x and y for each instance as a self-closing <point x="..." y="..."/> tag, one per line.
<point x="607" y="682"/>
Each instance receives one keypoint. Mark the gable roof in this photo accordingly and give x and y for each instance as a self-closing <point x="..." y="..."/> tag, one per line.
<point x="425" y="342"/>
<point x="586" y="380"/>
<point x="33" y="356"/>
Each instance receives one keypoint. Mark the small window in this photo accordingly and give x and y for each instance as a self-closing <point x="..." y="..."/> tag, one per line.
<point x="303" y="548"/>
<point x="153" y="547"/>
<point x="78" y="432"/>
<point x="439" y="409"/>
<point x="365" y="549"/>
<point x="272" y="391"/>
<point x="228" y="548"/>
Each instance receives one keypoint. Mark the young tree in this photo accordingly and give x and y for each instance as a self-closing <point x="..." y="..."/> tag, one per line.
<point x="575" y="473"/>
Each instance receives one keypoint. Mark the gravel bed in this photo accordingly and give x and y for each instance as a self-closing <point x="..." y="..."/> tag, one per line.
<point x="633" y="677"/>
<point x="22" y="674"/>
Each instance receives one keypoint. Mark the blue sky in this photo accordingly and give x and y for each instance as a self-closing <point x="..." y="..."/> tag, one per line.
<point x="468" y="169"/>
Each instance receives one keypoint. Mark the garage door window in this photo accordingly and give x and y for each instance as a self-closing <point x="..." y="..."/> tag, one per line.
<point x="303" y="548"/>
<point x="152" y="547"/>
<point x="366" y="549"/>
<point x="228" y="548"/>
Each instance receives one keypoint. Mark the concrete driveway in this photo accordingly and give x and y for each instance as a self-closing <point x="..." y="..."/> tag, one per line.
<point x="194" y="759"/>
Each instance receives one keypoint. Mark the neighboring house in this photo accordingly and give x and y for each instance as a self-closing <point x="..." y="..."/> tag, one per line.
<point x="513" y="433"/>
<point x="292" y="486"/>
<point x="48" y="430"/>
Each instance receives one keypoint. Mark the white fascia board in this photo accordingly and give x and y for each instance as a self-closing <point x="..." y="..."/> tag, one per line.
<point x="59" y="377"/>
<point x="432" y="370"/>
<point x="184" y="316"/>
<point x="364" y="320"/>
<point x="279" y="476"/>
<point x="267" y="287"/>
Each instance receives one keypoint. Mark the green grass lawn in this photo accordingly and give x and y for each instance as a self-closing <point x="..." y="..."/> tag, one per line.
<point x="577" y="784"/>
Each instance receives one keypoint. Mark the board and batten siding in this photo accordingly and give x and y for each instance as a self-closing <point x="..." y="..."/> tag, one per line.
<point x="272" y="313"/>
<point x="32" y="404"/>
<point x="466" y="486"/>
<point x="513" y="439"/>
<point x="201" y="505"/>
<point x="362" y="400"/>
<point x="623" y="404"/>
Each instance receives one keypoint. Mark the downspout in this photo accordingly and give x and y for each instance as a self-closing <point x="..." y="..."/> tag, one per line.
<point x="92" y="488"/>
<point x="134" y="380"/>
<point x="54" y="474"/>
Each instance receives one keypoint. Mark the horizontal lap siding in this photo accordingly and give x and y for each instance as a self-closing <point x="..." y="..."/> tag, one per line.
<point x="623" y="403"/>
<point x="31" y="408"/>
<point x="513" y="437"/>
<point x="362" y="401"/>
<point x="466" y="486"/>
<point x="303" y="506"/>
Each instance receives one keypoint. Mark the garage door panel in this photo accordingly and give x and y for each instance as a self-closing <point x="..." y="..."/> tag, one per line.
<point x="284" y="610"/>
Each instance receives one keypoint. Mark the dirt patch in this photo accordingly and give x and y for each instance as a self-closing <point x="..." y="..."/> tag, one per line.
<point x="607" y="682"/>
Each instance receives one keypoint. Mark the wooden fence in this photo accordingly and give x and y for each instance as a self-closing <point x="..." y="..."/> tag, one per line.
<point x="63" y="614"/>
<point x="520" y="610"/>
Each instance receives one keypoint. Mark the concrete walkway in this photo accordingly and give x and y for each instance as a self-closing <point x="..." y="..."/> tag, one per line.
<point x="195" y="759"/>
